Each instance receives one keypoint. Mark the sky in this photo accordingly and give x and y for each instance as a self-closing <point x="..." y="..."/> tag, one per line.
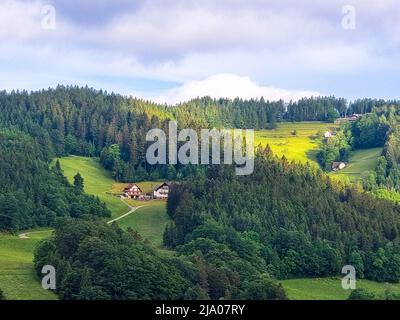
<point x="173" y="51"/>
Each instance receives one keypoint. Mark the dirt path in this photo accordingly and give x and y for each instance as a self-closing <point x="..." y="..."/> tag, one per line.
<point x="23" y="235"/>
<point x="132" y="210"/>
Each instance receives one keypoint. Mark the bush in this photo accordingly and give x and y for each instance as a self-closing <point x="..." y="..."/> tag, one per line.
<point x="362" y="294"/>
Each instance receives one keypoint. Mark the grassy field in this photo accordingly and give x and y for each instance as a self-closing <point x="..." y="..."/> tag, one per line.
<point x="330" y="288"/>
<point x="97" y="180"/>
<point x="18" y="279"/>
<point x="297" y="141"/>
<point x="149" y="221"/>
<point x="361" y="161"/>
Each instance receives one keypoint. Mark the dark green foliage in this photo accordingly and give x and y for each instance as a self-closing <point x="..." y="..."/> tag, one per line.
<point x="97" y="261"/>
<point x="260" y="289"/>
<point x="362" y="106"/>
<point x="78" y="182"/>
<point x="316" y="109"/>
<point x="362" y="294"/>
<point x="370" y="131"/>
<point x="83" y="121"/>
<point x="31" y="193"/>
<point x="382" y="128"/>
<point x="300" y="222"/>
<point x="336" y="148"/>
<point x="2" y="296"/>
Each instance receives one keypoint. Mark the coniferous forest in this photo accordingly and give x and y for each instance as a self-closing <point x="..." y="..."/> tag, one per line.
<point x="233" y="237"/>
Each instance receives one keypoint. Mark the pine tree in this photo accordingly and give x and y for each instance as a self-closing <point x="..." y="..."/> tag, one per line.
<point x="78" y="182"/>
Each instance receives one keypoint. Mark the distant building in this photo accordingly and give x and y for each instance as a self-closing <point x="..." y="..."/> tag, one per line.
<point x="336" y="166"/>
<point x="352" y="118"/>
<point x="132" y="191"/>
<point x="328" y="134"/>
<point x="162" y="191"/>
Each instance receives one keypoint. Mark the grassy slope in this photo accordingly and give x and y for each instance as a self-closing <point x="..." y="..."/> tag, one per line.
<point x="302" y="147"/>
<point x="98" y="181"/>
<point x="149" y="221"/>
<point x="361" y="161"/>
<point x="18" y="279"/>
<point x="330" y="288"/>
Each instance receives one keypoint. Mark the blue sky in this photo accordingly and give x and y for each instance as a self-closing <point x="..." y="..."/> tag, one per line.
<point x="171" y="51"/>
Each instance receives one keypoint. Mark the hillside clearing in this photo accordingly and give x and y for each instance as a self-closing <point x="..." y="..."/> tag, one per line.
<point x="149" y="220"/>
<point x="97" y="181"/>
<point x="330" y="288"/>
<point x="18" y="278"/>
<point x="297" y="141"/>
<point x="360" y="162"/>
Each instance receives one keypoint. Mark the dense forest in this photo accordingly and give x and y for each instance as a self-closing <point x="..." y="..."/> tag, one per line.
<point x="233" y="236"/>
<point x="369" y="131"/>
<point x="97" y="261"/>
<point x="379" y="128"/>
<point x="301" y="225"/>
<point x="362" y="106"/>
<point x="84" y="121"/>
<point x="33" y="195"/>
<point x="317" y="109"/>
<point x="387" y="172"/>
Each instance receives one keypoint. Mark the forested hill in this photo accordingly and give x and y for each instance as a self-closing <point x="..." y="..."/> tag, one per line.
<point x="303" y="224"/>
<point x="33" y="195"/>
<point x="83" y="121"/>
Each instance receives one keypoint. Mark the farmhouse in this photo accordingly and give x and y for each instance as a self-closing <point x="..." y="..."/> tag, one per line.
<point x="132" y="191"/>
<point x="329" y="134"/>
<point x="161" y="192"/>
<point x="354" y="117"/>
<point x="336" y="166"/>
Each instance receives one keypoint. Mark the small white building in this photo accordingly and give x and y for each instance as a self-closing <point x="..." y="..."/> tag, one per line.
<point x="328" y="134"/>
<point x="161" y="192"/>
<point x="336" y="166"/>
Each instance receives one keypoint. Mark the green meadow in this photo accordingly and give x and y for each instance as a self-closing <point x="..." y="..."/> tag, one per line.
<point x="97" y="180"/>
<point x="18" y="279"/>
<point x="331" y="288"/>
<point x="149" y="221"/>
<point x="298" y="141"/>
<point x="360" y="162"/>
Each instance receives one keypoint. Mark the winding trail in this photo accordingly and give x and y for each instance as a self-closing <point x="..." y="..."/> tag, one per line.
<point x="24" y="235"/>
<point x="132" y="210"/>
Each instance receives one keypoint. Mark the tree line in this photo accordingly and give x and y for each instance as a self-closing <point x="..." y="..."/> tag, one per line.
<point x="88" y="122"/>
<point x="95" y="261"/>
<point x="31" y="193"/>
<point x="290" y="219"/>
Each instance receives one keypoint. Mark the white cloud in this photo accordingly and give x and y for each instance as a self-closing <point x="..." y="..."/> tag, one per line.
<point x="229" y="86"/>
<point x="274" y="42"/>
